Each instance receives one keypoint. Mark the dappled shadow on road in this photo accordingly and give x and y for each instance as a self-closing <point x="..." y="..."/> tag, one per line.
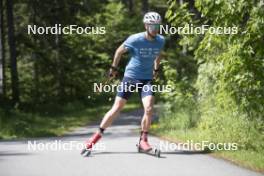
<point x="131" y="119"/>
<point x="176" y="152"/>
<point x="122" y="153"/>
<point x="187" y="152"/>
<point x="13" y="154"/>
<point x="106" y="153"/>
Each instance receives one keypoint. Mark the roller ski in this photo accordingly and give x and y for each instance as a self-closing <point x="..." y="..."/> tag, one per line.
<point x="144" y="147"/>
<point x="90" y="143"/>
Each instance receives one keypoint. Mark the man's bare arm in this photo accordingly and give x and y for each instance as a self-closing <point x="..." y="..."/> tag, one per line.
<point x="156" y="66"/>
<point x="157" y="62"/>
<point x="119" y="52"/>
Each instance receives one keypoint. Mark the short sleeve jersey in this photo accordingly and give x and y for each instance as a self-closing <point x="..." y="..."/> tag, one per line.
<point x="143" y="53"/>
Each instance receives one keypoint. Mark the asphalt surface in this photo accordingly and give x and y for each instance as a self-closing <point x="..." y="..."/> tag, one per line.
<point x="115" y="155"/>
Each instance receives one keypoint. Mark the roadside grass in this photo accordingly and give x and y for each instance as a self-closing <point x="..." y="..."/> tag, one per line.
<point x="245" y="158"/>
<point x="55" y="120"/>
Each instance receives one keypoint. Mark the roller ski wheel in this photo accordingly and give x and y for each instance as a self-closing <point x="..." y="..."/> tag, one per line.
<point x="86" y="152"/>
<point x="89" y="144"/>
<point x="153" y="151"/>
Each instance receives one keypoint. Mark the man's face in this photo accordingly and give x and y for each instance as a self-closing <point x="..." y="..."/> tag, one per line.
<point x="153" y="29"/>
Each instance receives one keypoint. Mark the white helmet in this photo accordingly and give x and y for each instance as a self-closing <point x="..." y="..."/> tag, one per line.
<point x="152" y="18"/>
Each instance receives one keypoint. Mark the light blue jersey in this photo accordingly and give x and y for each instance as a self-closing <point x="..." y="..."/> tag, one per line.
<point x="143" y="54"/>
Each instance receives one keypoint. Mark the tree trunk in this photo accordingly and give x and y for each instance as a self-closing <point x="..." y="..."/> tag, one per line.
<point x="193" y="9"/>
<point x="35" y="60"/>
<point x="130" y="6"/>
<point x="59" y="59"/>
<point x="145" y="6"/>
<point x="2" y="52"/>
<point x="60" y="71"/>
<point x="12" y="51"/>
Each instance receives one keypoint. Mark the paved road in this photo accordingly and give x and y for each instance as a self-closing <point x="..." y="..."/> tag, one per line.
<point x="118" y="158"/>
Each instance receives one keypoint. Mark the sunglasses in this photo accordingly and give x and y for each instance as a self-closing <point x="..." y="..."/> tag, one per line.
<point x="155" y="27"/>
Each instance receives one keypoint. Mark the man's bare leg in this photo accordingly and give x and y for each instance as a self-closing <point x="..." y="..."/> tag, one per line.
<point x="148" y="103"/>
<point x="107" y="121"/>
<point x="113" y="112"/>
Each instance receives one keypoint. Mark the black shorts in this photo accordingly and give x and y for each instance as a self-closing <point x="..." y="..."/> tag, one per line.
<point x="130" y="85"/>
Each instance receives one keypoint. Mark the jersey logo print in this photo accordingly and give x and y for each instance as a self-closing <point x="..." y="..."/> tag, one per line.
<point x="149" y="52"/>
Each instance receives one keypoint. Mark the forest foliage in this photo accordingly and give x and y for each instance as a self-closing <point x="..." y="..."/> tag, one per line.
<point x="218" y="80"/>
<point x="222" y="94"/>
